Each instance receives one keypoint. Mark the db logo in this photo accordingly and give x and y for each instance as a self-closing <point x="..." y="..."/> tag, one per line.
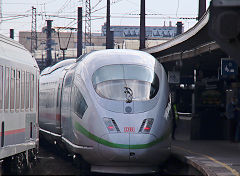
<point x="129" y="129"/>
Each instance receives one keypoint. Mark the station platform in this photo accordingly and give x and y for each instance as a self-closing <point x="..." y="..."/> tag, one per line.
<point x="215" y="158"/>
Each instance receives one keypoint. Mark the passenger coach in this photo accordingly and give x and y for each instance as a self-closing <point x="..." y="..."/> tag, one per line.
<point x="19" y="77"/>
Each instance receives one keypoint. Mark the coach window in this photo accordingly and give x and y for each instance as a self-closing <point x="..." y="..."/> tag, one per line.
<point x="31" y="91"/>
<point x="22" y="89"/>
<point x="80" y="105"/>
<point x="27" y="92"/>
<point x="6" y="89"/>
<point x="12" y="92"/>
<point x="17" y="90"/>
<point x="1" y="87"/>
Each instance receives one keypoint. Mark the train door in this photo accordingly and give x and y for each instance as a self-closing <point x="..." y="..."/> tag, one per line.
<point x="66" y="104"/>
<point x="58" y="106"/>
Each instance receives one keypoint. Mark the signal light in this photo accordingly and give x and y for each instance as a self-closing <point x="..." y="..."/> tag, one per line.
<point x="146" y="126"/>
<point x="111" y="125"/>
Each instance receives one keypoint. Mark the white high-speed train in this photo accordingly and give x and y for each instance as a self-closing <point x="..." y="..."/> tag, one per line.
<point x="19" y="79"/>
<point x="112" y="107"/>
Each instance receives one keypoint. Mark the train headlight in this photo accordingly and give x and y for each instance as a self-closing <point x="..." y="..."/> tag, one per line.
<point x="146" y="125"/>
<point x="111" y="125"/>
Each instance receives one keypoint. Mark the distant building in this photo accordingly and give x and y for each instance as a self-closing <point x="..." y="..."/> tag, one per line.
<point x="126" y="37"/>
<point x="151" y="31"/>
<point x="134" y="44"/>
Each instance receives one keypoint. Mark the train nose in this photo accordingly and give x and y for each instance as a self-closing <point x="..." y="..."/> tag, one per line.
<point x="122" y="147"/>
<point x="142" y="148"/>
<point x="115" y="147"/>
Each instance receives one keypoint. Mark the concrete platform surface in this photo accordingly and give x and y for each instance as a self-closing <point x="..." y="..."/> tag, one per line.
<point x="215" y="158"/>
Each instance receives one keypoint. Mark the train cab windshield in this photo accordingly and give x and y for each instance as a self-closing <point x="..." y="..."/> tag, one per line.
<point x="111" y="81"/>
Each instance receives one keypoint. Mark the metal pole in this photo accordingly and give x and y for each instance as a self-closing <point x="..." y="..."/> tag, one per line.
<point x="79" y="33"/>
<point x="63" y="50"/>
<point x="88" y="35"/>
<point x="142" y="26"/>
<point x="179" y="27"/>
<point x="12" y="33"/>
<point x="108" y="35"/>
<point x="202" y="8"/>
<point x="49" y="43"/>
<point x="34" y="30"/>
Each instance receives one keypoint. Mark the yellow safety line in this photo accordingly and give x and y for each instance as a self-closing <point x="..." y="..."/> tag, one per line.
<point x="234" y="172"/>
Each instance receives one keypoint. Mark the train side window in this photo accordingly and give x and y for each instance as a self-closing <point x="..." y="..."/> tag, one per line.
<point x="27" y="92"/>
<point x="68" y="80"/>
<point x="17" y="103"/>
<point x="22" y="89"/>
<point x="80" y="105"/>
<point x="12" y="92"/>
<point x="1" y="87"/>
<point x="31" y="91"/>
<point x="6" y="89"/>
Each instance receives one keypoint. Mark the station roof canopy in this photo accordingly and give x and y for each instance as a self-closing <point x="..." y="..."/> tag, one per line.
<point x="194" y="42"/>
<point x="194" y="49"/>
<point x="216" y="34"/>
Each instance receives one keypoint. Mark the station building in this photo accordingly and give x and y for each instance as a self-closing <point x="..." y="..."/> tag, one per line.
<point x="151" y="31"/>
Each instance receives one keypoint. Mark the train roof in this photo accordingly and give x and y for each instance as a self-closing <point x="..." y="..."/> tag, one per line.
<point x="13" y="51"/>
<point x="100" y="58"/>
<point x="58" y="65"/>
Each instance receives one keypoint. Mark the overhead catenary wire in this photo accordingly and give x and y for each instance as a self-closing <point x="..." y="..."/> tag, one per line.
<point x="64" y="6"/>
<point x="8" y="18"/>
<point x="177" y="8"/>
<point x="14" y="18"/>
<point x="99" y="1"/>
<point x="68" y="18"/>
<point x="113" y="2"/>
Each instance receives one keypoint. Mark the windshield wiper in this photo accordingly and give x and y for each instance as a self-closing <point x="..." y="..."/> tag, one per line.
<point x="129" y="94"/>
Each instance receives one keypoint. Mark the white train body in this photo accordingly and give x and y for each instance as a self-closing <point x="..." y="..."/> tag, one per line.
<point x="19" y="78"/>
<point x="112" y="107"/>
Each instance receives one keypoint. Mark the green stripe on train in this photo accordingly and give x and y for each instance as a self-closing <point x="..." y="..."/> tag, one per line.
<point x="115" y="145"/>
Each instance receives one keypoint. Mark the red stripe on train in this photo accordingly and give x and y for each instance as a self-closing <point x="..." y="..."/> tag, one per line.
<point x="13" y="131"/>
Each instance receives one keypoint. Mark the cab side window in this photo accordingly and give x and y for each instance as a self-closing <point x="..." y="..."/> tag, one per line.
<point x="79" y="104"/>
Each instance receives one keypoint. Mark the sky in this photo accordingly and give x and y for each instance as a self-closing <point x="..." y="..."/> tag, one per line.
<point x="17" y="14"/>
